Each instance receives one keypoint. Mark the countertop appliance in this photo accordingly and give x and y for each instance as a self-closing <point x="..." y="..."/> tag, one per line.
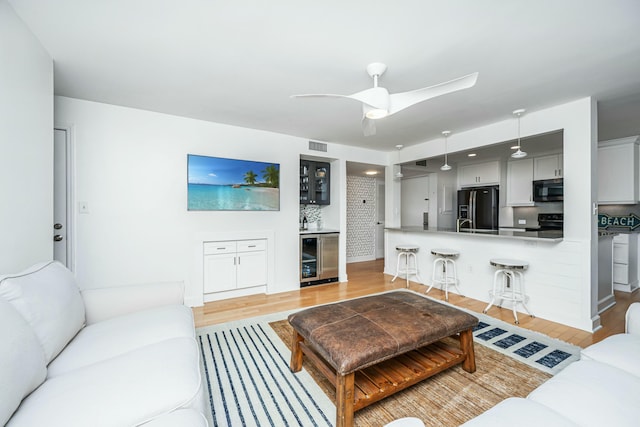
<point x="548" y="222"/>
<point x="548" y="190"/>
<point x="318" y="258"/>
<point x="478" y="208"/>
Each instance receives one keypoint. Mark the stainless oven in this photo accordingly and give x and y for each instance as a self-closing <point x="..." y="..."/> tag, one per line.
<point x="548" y="190"/>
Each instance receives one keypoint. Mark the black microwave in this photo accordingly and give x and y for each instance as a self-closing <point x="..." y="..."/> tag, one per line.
<point x="548" y="190"/>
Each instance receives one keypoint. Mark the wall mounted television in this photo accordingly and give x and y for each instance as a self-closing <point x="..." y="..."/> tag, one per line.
<point x="220" y="184"/>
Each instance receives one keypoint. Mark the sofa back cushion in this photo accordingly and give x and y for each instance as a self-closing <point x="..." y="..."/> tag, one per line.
<point x="22" y="360"/>
<point x="47" y="297"/>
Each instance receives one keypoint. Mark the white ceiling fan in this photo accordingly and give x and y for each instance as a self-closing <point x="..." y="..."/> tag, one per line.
<point x="378" y="103"/>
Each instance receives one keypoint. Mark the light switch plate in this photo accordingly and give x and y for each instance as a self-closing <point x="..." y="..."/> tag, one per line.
<point x="522" y="221"/>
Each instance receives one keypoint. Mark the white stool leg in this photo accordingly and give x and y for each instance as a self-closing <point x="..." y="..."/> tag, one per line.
<point x="494" y="292"/>
<point x="409" y="269"/>
<point x="397" y="267"/>
<point x="515" y="298"/>
<point x="433" y="274"/>
<point x="415" y="262"/>
<point x="523" y="293"/>
<point x="455" y="276"/>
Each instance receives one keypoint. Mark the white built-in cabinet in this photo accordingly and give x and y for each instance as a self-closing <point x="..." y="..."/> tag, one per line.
<point x="625" y="262"/>
<point x="487" y="173"/>
<point x="234" y="264"/>
<point x="519" y="183"/>
<point x="618" y="171"/>
<point x="547" y="167"/>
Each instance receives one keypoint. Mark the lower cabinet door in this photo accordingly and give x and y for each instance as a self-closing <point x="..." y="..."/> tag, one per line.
<point x="252" y="269"/>
<point x="219" y="272"/>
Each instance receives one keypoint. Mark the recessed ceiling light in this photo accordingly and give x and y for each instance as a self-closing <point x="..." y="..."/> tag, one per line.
<point x="371" y="172"/>
<point x="471" y="154"/>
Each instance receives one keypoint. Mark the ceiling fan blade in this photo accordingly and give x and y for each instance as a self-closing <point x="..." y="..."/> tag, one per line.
<point x="402" y="100"/>
<point x="377" y="97"/>
<point x="368" y="125"/>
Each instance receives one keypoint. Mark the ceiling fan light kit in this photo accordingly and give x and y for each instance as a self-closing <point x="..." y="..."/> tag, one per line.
<point x="446" y="166"/>
<point x="377" y="103"/>
<point x="519" y="154"/>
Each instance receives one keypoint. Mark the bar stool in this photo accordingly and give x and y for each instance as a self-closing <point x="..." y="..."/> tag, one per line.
<point x="444" y="271"/>
<point x="408" y="251"/>
<point x="508" y="284"/>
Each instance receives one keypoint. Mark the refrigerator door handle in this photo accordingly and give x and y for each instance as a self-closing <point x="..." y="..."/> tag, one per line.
<point x="472" y="208"/>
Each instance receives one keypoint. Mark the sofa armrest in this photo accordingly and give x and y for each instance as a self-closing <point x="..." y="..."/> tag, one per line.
<point x="632" y="319"/>
<point x="104" y="303"/>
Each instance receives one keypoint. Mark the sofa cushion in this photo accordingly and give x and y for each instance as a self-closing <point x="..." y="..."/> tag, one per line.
<point x="119" y="335"/>
<point x="127" y="390"/>
<point x="179" y="418"/>
<point x="22" y="360"/>
<point x="621" y="351"/>
<point x="516" y="411"/>
<point x="47" y="297"/>
<point x="591" y="393"/>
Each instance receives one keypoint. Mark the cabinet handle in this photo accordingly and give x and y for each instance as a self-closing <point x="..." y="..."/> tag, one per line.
<point x="238" y="260"/>
<point x="251" y="246"/>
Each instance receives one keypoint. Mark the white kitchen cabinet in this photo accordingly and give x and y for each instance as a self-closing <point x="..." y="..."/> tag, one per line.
<point x="519" y="183"/>
<point x="487" y="173"/>
<point x="230" y="265"/>
<point x="625" y="262"/>
<point x="618" y="171"/>
<point x="547" y="167"/>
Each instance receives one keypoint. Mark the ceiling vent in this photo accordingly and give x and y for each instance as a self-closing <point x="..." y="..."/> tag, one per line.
<point x="317" y="146"/>
<point x="422" y="163"/>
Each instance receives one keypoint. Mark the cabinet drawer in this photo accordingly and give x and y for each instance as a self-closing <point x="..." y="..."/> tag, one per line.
<point x="214" y="248"/>
<point x="621" y="273"/>
<point x="621" y="238"/>
<point x="251" y="245"/>
<point x="621" y="253"/>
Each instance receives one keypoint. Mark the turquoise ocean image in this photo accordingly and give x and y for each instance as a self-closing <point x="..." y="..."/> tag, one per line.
<point x="216" y="183"/>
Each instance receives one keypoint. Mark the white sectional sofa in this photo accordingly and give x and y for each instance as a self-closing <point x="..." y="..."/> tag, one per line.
<point x="122" y="356"/>
<point x="601" y="389"/>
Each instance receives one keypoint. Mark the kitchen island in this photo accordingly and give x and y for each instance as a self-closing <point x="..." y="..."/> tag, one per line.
<point x="554" y="280"/>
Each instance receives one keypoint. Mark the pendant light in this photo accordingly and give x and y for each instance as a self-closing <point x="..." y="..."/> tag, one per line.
<point x="446" y="166"/>
<point x="519" y="154"/>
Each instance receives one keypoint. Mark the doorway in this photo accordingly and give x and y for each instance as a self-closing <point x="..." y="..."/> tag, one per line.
<point x="365" y="212"/>
<point x="62" y="198"/>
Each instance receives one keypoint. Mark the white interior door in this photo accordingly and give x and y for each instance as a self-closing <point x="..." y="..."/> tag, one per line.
<point x="380" y="220"/>
<point x="62" y="198"/>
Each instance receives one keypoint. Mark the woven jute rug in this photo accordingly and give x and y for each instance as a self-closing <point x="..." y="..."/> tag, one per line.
<point x="447" y="399"/>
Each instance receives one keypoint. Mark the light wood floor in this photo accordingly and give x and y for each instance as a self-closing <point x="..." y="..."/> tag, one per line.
<point x="367" y="278"/>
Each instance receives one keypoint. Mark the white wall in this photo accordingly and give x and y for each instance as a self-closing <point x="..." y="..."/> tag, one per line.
<point x="415" y="195"/>
<point x="562" y="279"/>
<point x="131" y="170"/>
<point x="26" y="146"/>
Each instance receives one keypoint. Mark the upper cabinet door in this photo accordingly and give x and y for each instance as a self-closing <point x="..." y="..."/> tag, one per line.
<point x="487" y="173"/>
<point x="547" y="167"/>
<point x="618" y="172"/>
<point x="519" y="179"/>
<point x="315" y="185"/>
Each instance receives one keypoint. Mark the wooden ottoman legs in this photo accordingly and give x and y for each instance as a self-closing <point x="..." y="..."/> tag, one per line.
<point x="296" y="352"/>
<point x="466" y="345"/>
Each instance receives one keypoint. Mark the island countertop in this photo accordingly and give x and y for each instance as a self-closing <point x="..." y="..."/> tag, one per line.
<point x="512" y="233"/>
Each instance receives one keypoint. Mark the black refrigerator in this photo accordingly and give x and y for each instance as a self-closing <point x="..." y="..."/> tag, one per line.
<point x="480" y="206"/>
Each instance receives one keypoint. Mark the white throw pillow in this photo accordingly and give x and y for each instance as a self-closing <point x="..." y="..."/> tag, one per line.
<point x="22" y="361"/>
<point x="47" y="297"/>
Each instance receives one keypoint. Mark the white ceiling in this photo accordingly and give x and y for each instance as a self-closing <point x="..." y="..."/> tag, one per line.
<point x="238" y="62"/>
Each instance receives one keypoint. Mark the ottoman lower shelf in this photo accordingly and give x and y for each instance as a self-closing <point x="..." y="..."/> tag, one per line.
<point x="383" y="379"/>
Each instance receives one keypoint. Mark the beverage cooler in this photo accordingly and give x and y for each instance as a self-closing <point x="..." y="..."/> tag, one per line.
<point x="318" y="258"/>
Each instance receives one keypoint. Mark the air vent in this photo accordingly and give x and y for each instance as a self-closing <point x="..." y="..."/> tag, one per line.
<point x="421" y="163"/>
<point x="317" y="146"/>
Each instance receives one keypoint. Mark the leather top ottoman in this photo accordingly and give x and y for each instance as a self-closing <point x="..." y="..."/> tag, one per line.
<point x="370" y="348"/>
<point x="362" y="332"/>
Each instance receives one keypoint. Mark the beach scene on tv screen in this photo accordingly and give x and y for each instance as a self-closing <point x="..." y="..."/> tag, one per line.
<point x="216" y="183"/>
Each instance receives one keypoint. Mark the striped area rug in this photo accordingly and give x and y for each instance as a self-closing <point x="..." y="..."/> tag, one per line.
<point x="246" y="370"/>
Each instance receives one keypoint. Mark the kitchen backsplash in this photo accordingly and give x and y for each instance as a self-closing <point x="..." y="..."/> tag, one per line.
<point x="530" y="213"/>
<point x="313" y="213"/>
